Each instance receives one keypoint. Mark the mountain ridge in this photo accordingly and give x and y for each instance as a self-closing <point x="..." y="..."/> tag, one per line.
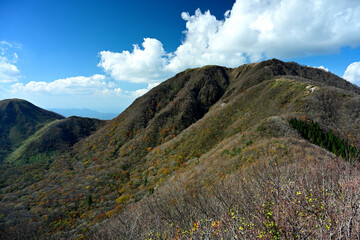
<point x="268" y="69"/>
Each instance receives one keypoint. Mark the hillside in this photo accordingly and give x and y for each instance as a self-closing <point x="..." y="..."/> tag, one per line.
<point x="174" y="105"/>
<point x="20" y="119"/>
<point x="208" y="153"/>
<point x="54" y="138"/>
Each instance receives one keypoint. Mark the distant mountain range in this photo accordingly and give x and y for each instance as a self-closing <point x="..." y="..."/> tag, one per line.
<point x="265" y="150"/>
<point x="83" y="112"/>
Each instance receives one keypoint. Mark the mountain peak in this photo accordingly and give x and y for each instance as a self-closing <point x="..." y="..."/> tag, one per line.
<point x="24" y="107"/>
<point x="253" y="73"/>
<point x="18" y="120"/>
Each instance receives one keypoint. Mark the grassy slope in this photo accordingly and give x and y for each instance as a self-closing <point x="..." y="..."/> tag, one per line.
<point x="55" y="137"/>
<point x="17" y="157"/>
<point x="239" y="117"/>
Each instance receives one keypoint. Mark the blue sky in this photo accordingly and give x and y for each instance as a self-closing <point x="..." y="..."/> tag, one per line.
<point x="101" y="55"/>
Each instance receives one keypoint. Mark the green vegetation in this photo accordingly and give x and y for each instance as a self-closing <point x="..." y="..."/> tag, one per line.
<point x="20" y="156"/>
<point x="53" y="138"/>
<point x="327" y="140"/>
<point x="19" y="120"/>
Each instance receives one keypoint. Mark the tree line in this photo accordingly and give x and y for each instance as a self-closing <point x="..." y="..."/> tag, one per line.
<point x="327" y="140"/>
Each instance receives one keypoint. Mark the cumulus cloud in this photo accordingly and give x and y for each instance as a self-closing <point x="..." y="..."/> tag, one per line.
<point x="72" y="85"/>
<point x="95" y="92"/>
<point x="8" y="72"/>
<point x="8" y="58"/>
<point x="321" y="67"/>
<point x="142" y="91"/>
<point x="352" y="73"/>
<point x="201" y="28"/>
<point x="252" y="30"/>
<point x="96" y="85"/>
<point x="140" y="65"/>
<point x="288" y="28"/>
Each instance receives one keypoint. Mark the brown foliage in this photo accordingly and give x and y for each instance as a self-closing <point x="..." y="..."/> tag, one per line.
<point x="271" y="199"/>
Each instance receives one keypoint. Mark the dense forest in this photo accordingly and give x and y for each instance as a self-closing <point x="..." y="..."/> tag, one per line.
<point x="328" y="140"/>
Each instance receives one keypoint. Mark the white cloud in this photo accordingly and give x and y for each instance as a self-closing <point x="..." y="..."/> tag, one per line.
<point x="141" y="65"/>
<point x="252" y="30"/>
<point x="72" y="85"/>
<point x="352" y="73"/>
<point x="321" y="67"/>
<point x="95" y="85"/>
<point x="94" y="92"/>
<point x="201" y="28"/>
<point x="8" y="70"/>
<point x="142" y="91"/>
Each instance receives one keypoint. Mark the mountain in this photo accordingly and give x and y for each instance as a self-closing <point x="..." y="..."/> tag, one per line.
<point x="265" y="150"/>
<point x="57" y="136"/>
<point x="84" y="113"/>
<point x="20" y="119"/>
<point x="181" y="101"/>
<point x="32" y="134"/>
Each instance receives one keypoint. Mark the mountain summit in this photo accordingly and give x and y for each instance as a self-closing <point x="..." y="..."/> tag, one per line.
<point x="18" y="120"/>
<point x="267" y="149"/>
<point x="32" y="134"/>
<point x="177" y="103"/>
